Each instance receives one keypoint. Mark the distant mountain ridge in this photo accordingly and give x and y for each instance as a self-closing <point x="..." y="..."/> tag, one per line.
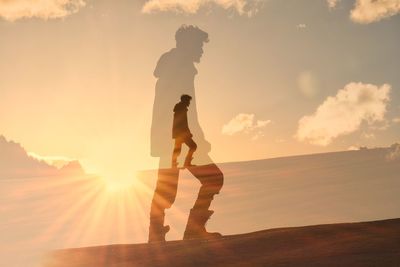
<point x="16" y="163"/>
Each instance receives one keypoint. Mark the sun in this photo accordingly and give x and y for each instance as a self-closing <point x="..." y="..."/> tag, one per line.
<point x="119" y="184"/>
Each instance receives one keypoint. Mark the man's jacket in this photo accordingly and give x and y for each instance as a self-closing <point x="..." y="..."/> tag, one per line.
<point x="180" y="128"/>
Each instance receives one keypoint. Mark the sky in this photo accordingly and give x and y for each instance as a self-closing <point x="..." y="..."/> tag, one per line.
<point x="277" y="78"/>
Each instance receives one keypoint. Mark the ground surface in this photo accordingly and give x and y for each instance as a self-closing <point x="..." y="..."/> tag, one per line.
<point x="350" y="244"/>
<point x="41" y="213"/>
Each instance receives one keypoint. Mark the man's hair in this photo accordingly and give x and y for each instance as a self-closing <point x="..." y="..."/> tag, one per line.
<point x="186" y="98"/>
<point x="190" y="34"/>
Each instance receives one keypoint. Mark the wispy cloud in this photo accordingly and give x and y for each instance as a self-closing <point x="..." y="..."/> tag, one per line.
<point x="301" y="26"/>
<point x="56" y="161"/>
<point x="242" y="7"/>
<point x="332" y="3"/>
<point x="12" y="10"/>
<point x="353" y="148"/>
<point x="367" y="11"/>
<point x="245" y="123"/>
<point x="394" y="152"/>
<point x="368" y="136"/>
<point x="396" y="120"/>
<point x="344" y="113"/>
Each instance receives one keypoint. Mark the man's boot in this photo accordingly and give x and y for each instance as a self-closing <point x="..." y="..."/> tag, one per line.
<point x="188" y="162"/>
<point x="157" y="230"/>
<point x="196" y="225"/>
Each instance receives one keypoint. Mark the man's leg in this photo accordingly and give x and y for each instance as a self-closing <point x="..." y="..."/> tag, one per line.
<point x="192" y="148"/>
<point x="211" y="179"/>
<point x="164" y="197"/>
<point x="176" y="152"/>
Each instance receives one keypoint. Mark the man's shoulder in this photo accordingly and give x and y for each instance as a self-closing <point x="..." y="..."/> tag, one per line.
<point x="168" y="55"/>
<point x="180" y="107"/>
<point x="164" y="62"/>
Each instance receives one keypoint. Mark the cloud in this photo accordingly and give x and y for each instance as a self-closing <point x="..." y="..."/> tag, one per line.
<point x="380" y="126"/>
<point x="332" y="3"/>
<point x="344" y="113"/>
<point x="245" y="123"/>
<point x="56" y="161"/>
<point x="394" y="152"/>
<point x="12" y="10"/>
<point x="367" y="11"/>
<point x="242" y="7"/>
<point x="353" y="148"/>
<point x="301" y="26"/>
<point x="368" y="136"/>
<point x="15" y="162"/>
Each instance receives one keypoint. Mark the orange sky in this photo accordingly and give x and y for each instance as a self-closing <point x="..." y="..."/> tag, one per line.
<point x="79" y="84"/>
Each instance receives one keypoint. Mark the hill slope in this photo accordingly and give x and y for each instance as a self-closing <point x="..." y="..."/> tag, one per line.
<point x="350" y="244"/>
<point x="46" y="212"/>
<point x="349" y="186"/>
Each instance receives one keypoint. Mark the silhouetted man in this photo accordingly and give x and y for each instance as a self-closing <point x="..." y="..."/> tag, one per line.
<point x="181" y="132"/>
<point x="175" y="71"/>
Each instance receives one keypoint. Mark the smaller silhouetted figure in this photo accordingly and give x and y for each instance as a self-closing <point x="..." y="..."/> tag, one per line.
<point x="181" y="132"/>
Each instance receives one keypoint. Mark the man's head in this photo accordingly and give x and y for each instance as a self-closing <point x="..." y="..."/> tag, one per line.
<point x="185" y="99"/>
<point x="190" y="40"/>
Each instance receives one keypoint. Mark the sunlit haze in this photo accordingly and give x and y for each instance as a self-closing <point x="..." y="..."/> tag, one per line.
<point x="277" y="79"/>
